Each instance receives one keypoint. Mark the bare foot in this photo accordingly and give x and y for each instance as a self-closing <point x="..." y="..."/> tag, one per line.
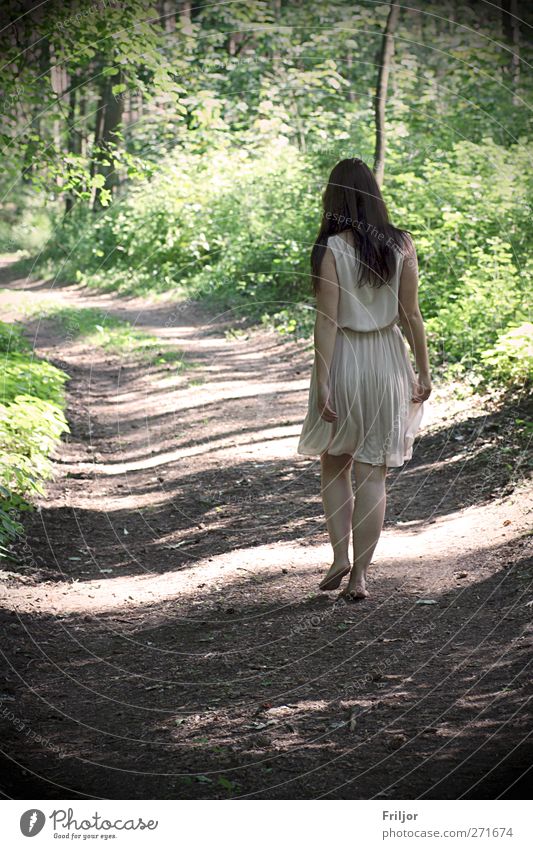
<point x="356" y="590"/>
<point x="333" y="579"/>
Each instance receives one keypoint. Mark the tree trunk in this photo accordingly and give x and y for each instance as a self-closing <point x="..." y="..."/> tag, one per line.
<point x="36" y="109"/>
<point x="112" y="117"/>
<point x="170" y="15"/>
<point x="98" y="124"/>
<point x="58" y="84"/>
<point x="82" y="120"/>
<point x="167" y="14"/>
<point x="387" y="52"/>
<point x="276" y="53"/>
<point x="511" y="31"/>
<point x="73" y="140"/>
<point x="185" y="14"/>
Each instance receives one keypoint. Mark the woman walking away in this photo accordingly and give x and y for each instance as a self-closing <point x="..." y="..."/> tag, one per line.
<point x="365" y="400"/>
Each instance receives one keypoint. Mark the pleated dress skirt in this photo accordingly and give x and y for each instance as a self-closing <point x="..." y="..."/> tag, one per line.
<point x="371" y="383"/>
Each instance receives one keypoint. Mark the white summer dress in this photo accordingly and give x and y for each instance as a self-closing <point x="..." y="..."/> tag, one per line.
<point x="371" y="375"/>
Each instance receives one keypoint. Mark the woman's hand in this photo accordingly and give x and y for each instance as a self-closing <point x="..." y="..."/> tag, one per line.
<point x="422" y="388"/>
<point x="324" y="403"/>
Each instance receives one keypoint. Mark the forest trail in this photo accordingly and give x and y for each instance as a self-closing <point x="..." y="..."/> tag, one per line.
<point x="165" y="637"/>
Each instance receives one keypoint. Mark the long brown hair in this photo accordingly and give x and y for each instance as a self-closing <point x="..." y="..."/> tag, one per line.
<point x="353" y="201"/>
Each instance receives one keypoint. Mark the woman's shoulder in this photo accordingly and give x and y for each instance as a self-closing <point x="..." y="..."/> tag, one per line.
<point x="403" y="243"/>
<point x="402" y="248"/>
<point x="341" y="240"/>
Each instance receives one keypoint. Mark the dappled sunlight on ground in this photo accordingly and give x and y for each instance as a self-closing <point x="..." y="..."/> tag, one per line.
<point x="170" y="607"/>
<point x="400" y="554"/>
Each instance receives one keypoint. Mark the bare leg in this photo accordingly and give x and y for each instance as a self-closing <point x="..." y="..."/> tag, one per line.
<point x="367" y="521"/>
<point x="337" y="498"/>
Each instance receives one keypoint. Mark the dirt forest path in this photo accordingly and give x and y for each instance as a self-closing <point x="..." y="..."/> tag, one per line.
<point x="163" y="636"/>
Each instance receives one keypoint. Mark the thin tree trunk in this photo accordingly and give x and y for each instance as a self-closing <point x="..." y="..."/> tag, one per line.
<point x="167" y="14"/>
<point x="82" y="120"/>
<point x="98" y="124"/>
<point x="511" y="31"/>
<point x="185" y="15"/>
<point x="276" y="53"/>
<point x="113" y="107"/>
<point x="45" y="80"/>
<point x="170" y="15"/>
<point x="387" y="52"/>
<point x="44" y="74"/>
<point x="58" y="84"/>
<point x="73" y="140"/>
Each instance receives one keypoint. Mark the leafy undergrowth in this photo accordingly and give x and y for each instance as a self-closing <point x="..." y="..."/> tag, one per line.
<point x="31" y="422"/>
<point x="236" y="233"/>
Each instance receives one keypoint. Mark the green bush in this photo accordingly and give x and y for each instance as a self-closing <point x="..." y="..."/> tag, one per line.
<point x="230" y="225"/>
<point x="235" y="225"/>
<point x="31" y="422"/>
<point x="29" y="230"/>
<point x="33" y="230"/>
<point x="510" y="360"/>
<point x="11" y="339"/>
<point x="468" y="210"/>
<point x="29" y="429"/>
<point x="25" y="375"/>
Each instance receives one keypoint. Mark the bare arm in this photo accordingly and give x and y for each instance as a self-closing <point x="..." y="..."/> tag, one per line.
<point x="326" y="330"/>
<point x="412" y="322"/>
